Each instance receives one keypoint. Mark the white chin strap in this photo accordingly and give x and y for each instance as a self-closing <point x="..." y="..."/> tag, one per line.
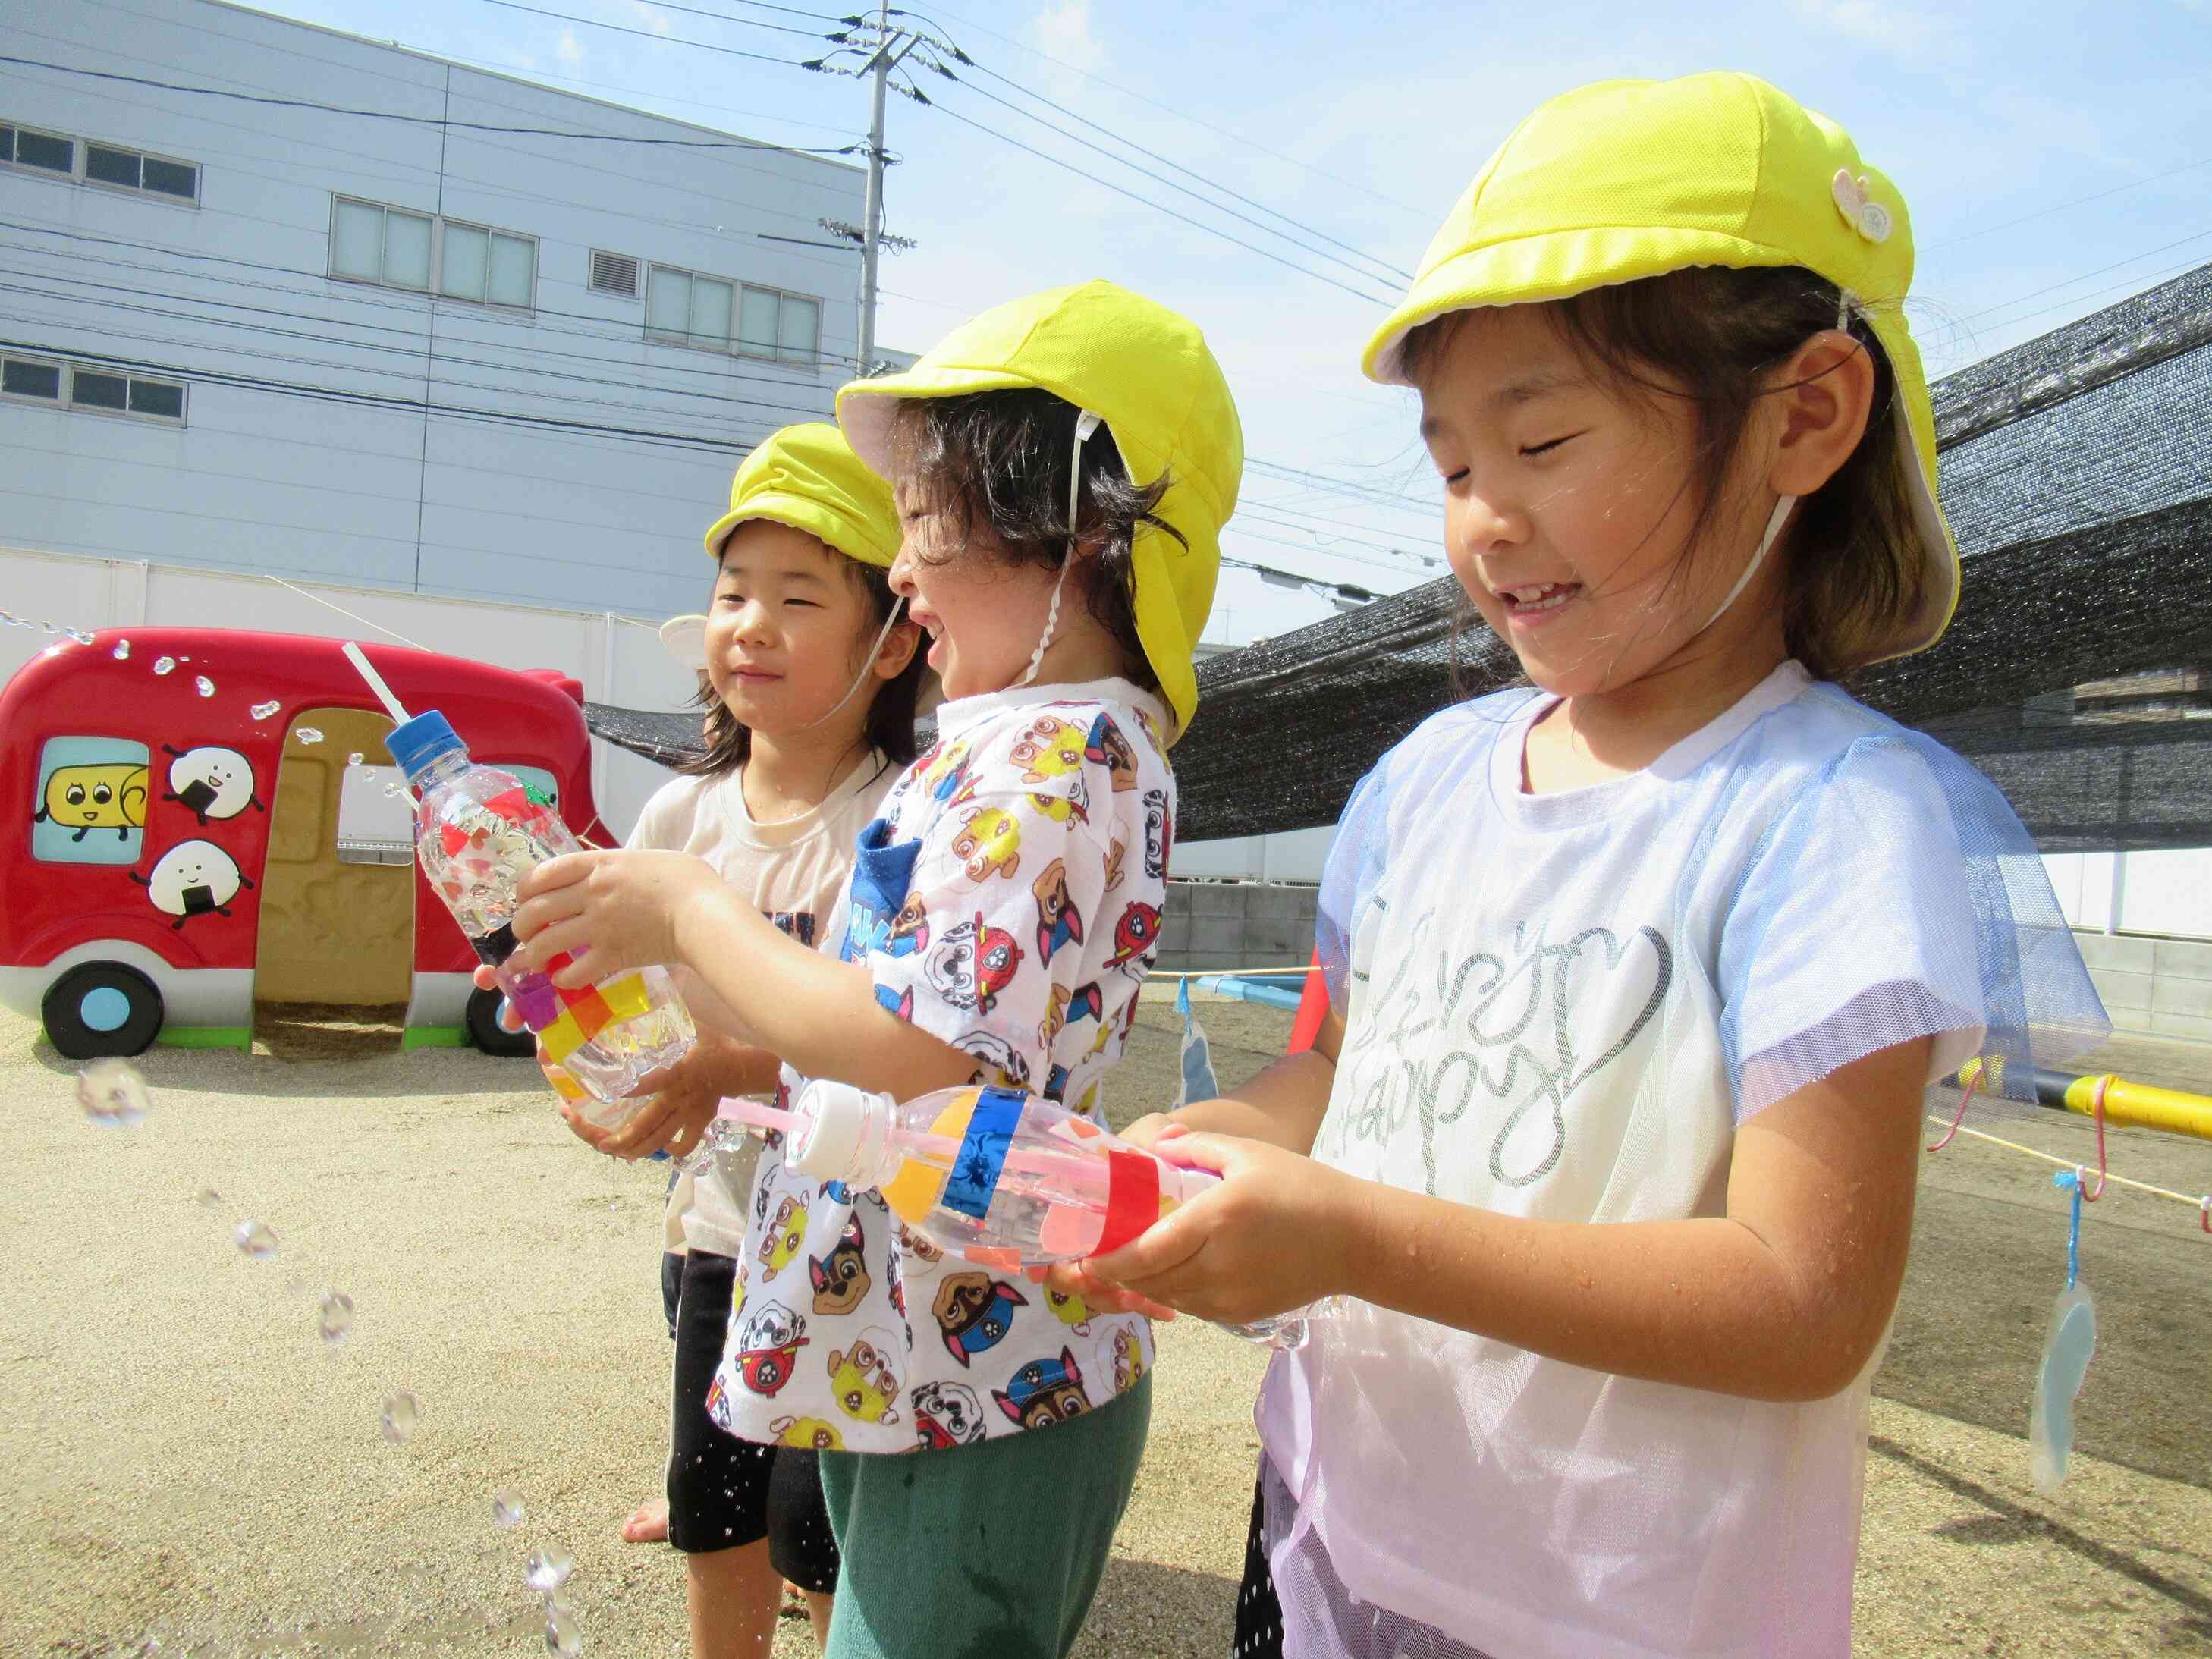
<point x="1774" y="523"/>
<point x="868" y="667"/>
<point x="1085" y="424"/>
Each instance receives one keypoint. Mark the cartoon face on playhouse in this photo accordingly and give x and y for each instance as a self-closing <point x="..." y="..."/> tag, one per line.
<point x="192" y="878"/>
<point x="211" y="782"/>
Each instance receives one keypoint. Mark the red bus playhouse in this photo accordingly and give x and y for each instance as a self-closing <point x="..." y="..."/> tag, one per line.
<point x="210" y="818"/>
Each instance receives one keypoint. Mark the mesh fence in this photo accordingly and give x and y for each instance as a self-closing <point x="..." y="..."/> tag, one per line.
<point x="2077" y="473"/>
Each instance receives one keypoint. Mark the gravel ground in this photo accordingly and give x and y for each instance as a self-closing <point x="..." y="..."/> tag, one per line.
<point x="185" y="1457"/>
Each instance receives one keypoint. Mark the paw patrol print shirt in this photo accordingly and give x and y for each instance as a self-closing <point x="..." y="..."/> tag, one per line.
<point x="1007" y="900"/>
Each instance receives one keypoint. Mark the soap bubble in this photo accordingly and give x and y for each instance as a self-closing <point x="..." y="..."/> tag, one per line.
<point x="355" y="758"/>
<point x="399" y="1413"/>
<point x="205" y="686"/>
<point x="207" y="1199"/>
<point x="164" y="665"/>
<point x="561" y="1636"/>
<point x="547" y="1570"/>
<point x="506" y="1510"/>
<point x="262" y="711"/>
<point x="256" y="1240"/>
<point x="78" y="634"/>
<point x="111" y="1093"/>
<point x="338" y="1317"/>
<point x="307" y="734"/>
<point x="122" y="652"/>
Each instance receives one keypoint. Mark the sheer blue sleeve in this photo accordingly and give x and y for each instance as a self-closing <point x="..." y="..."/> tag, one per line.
<point x="1897" y="897"/>
<point x="1355" y="865"/>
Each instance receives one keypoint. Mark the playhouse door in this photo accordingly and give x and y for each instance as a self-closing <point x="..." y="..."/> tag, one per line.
<point x="338" y="904"/>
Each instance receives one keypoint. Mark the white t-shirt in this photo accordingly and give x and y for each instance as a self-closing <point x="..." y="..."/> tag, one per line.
<point x="1561" y="1006"/>
<point x="792" y="872"/>
<point x="1007" y="901"/>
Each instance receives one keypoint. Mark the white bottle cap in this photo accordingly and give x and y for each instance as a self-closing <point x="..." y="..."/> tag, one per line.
<point x="827" y="1140"/>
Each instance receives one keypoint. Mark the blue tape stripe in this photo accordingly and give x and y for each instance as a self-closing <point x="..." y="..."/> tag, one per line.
<point x="975" y="1175"/>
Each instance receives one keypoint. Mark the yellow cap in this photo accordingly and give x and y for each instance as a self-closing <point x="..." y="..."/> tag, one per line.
<point x="807" y="476"/>
<point x="1626" y="179"/>
<point x="1147" y="374"/>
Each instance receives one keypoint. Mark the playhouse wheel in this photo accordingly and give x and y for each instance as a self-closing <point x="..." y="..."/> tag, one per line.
<point x="488" y="1034"/>
<point x="100" y="1008"/>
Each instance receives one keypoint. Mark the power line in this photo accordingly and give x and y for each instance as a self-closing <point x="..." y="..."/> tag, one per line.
<point x="653" y="34"/>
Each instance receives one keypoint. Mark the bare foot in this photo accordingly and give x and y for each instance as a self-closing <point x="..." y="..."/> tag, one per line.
<point x="647" y="1523"/>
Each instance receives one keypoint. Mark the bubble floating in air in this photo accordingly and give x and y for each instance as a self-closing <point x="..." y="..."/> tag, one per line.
<point x="256" y="1240"/>
<point x="399" y="1414"/>
<point x="122" y="652"/>
<point x="78" y="634"/>
<point x="355" y="758"/>
<point x="111" y="1093"/>
<point x="207" y="1199"/>
<point x="547" y="1570"/>
<point x="506" y="1510"/>
<point x="307" y="734"/>
<point x="164" y="665"/>
<point x="561" y="1636"/>
<point x="203" y="685"/>
<point x="338" y="1317"/>
<point x="262" y="711"/>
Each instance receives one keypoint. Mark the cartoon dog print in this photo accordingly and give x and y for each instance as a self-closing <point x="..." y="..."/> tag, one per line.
<point x="945" y="1415"/>
<point x="974" y="1311"/>
<point x="999" y="1056"/>
<point x="841" y="1279"/>
<point x="1071" y="1310"/>
<point x="211" y="782"/>
<point x="972" y="963"/>
<point x="107" y="797"/>
<point x="193" y="878"/>
<point x="806" y="1434"/>
<point x="1159" y="834"/>
<point x="768" y="1347"/>
<point x="1107" y="747"/>
<point x="1135" y="936"/>
<point x="1058" y="921"/>
<point x="944" y="771"/>
<point x="895" y="1290"/>
<point x="1114" y="853"/>
<point x="1044" y="1392"/>
<point x="1128" y="1360"/>
<point x="989" y="843"/>
<point x="864" y="1383"/>
<point x="786" y="1235"/>
<point x="1049" y="749"/>
<point x="913" y="1244"/>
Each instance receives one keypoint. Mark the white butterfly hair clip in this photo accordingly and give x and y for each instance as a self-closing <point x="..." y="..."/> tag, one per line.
<point x="1861" y="211"/>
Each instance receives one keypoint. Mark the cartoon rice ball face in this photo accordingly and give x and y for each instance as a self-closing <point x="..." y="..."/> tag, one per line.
<point x="211" y="782"/>
<point x="193" y="878"/>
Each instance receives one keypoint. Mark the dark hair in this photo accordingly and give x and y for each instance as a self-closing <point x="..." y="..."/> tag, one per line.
<point x="890" y="726"/>
<point x="1002" y="458"/>
<point x="1854" y="568"/>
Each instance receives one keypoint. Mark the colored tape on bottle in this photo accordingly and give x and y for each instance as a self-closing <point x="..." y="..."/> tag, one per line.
<point x="1132" y="1196"/>
<point x="975" y="1176"/>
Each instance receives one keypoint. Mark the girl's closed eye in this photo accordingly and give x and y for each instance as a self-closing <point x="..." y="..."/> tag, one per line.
<point x="1550" y="446"/>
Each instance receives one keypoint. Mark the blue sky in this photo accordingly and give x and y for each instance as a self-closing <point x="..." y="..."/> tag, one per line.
<point x="2055" y="158"/>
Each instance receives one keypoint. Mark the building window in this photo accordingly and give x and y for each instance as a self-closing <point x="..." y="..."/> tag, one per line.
<point x="370" y="243"/>
<point x="112" y="167"/>
<point x="83" y="386"/>
<point x="614" y="273"/>
<point x="683" y="308"/>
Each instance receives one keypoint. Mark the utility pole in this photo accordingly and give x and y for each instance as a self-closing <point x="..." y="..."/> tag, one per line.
<point x="873" y="214"/>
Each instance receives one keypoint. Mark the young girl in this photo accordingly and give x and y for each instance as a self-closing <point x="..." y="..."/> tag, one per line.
<point x="1636" y="977"/>
<point x="810" y="683"/>
<point x="1064" y="465"/>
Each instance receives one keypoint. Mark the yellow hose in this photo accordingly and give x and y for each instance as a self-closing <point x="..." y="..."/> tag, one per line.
<point x="2143" y="1105"/>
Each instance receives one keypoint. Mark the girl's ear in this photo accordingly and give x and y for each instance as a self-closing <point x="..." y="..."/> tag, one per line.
<point x="1824" y="396"/>
<point x="897" y="650"/>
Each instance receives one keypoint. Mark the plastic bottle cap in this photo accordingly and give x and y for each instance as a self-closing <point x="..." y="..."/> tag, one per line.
<point x="827" y="1139"/>
<point x="416" y="744"/>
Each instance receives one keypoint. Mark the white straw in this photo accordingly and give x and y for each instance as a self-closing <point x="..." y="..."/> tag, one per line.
<point x="355" y="656"/>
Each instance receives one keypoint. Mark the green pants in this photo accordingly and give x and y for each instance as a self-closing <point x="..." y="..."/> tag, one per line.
<point x="985" y="1552"/>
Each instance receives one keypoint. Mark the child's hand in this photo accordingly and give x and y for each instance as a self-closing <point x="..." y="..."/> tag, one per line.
<point x="682" y="1100"/>
<point x="623" y="907"/>
<point x="1278" y="1232"/>
<point x="486" y="980"/>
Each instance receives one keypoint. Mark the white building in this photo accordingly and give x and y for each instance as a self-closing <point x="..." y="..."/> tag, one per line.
<point x="412" y="350"/>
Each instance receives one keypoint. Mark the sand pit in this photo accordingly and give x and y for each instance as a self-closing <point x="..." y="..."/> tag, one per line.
<point x="185" y="1457"/>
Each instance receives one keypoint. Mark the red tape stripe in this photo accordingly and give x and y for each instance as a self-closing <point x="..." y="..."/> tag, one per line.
<point x="1132" y="1196"/>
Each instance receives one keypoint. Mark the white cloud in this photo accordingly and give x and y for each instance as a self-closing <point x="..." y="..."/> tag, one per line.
<point x="1870" y="22"/>
<point x="567" y="49"/>
<point x="656" y="21"/>
<point x="1063" y="30"/>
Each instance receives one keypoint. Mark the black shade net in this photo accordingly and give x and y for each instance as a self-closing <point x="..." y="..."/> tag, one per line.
<point x="2077" y="471"/>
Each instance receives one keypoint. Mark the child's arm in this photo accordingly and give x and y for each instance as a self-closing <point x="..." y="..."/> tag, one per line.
<point x="1283" y="1105"/>
<point x="685" y="1098"/>
<point x="634" y="908"/>
<point x="1784" y="1298"/>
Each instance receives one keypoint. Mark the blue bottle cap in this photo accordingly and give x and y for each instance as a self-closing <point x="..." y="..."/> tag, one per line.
<point x="418" y="743"/>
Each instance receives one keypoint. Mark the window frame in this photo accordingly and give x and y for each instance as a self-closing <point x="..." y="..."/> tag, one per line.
<point x="79" y="169"/>
<point x="491" y="235"/>
<point x="32" y="167"/>
<point x="736" y="345"/>
<point x="65" y="400"/>
<point x="435" y="287"/>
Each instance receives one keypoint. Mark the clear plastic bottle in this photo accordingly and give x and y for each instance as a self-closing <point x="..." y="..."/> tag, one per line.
<point x="477" y="833"/>
<point x="1004" y="1178"/>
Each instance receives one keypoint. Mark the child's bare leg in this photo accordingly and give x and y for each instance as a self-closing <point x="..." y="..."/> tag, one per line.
<point x="818" y="1609"/>
<point x="647" y="1523"/>
<point x="732" y="1596"/>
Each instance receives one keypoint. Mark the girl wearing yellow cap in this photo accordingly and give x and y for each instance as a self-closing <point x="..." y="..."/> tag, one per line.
<point x="1637" y="974"/>
<point x="810" y="680"/>
<point x="1063" y="467"/>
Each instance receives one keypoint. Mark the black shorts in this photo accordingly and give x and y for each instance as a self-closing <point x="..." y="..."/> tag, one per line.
<point x="724" y="1492"/>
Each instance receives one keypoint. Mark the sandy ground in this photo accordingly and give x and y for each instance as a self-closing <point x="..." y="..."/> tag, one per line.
<point x="181" y="1456"/>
